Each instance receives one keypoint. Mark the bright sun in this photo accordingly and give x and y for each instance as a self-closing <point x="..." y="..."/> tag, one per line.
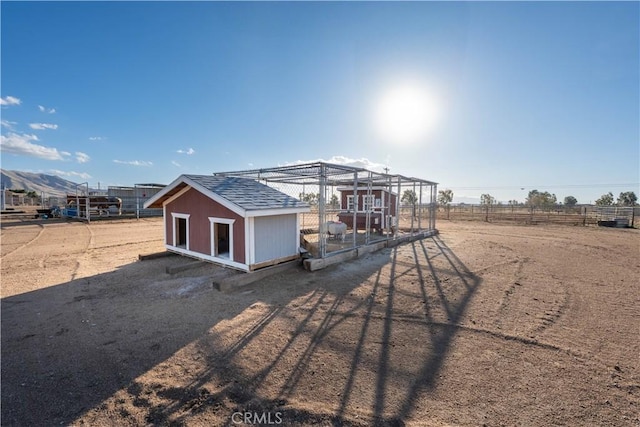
<point x="405" y="113"/>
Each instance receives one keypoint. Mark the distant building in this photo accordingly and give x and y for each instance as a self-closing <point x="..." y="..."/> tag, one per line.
<point x="375" y="202"/>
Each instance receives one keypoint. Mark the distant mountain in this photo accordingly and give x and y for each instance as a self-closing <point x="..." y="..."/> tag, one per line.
<point x="51" y="185"/>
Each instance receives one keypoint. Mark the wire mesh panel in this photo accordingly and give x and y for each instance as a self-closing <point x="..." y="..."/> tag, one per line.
<point x="615" y="216"/>
<point x="133" y="199"/>
<point x="351" y="207"/>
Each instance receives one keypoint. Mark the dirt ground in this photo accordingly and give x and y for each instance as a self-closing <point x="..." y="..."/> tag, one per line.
<point x="485" y="324"/>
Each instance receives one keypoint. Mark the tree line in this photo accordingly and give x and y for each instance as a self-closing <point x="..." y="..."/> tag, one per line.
<point x="627" y="198"/>
<point x="546" y="200"/>
<point x="535" y="199"/>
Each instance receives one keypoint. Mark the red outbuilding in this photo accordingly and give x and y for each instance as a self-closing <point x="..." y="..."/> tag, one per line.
<point x="237" y="222"/>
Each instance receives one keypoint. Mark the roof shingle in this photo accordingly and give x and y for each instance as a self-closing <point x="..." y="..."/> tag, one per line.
<point x="247" y="193"/>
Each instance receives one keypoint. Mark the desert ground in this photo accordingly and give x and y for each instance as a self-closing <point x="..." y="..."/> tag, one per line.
<point x="483" y="324"/>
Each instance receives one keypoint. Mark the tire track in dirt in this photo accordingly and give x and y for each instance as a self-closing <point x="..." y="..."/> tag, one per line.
<point x="119" y="245"/>
<point x="557" y="310"/>
<point x="498" y="264"/>
<point x="519" y="339"/>
<point x="590" y="359"/>
<point x="546" y="306"/>
<point x="40" y="232"/>
<point x="90" y="243"/>
<point x="523" y="298"/>
<point x="561" y="239"/>
<point x="414" y="319"/>
<point x="506" y="300"/>
<point x="520" y="236"/>
<point x="587" y="358"/>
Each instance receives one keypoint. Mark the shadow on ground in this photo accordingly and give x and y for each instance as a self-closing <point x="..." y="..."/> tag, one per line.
<point x="357" y="344"/>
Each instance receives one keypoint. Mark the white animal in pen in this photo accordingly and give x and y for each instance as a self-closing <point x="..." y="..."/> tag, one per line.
<point x="336" y="230"/>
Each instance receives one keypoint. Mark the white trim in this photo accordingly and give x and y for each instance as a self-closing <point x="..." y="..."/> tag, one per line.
<point x="365" y="188"/>
<point x="175" y="215"/>
<point x="205" y="257"/>
<point x="385" y="212"/>
<point x="372" y="199"/>
<point x="240" y="210"/>
<point x="218" y="199"/>
<point x="164" y="223"/>
<point x="275" y="211"/>
<point x="160" y="194"/>
<point x="247" y="249"/>
<point x="353" y="204"/>
<point x="215" y="197"/>
<point x="175" y="196"/>
<point x="212" y="234"/>
<point x="362" y="203"/>
<point x="250" y="241"/>
<point x="297" y="245"/>
<point x="191" y="183"/>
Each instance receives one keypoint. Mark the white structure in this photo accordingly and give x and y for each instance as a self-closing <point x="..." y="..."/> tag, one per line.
<point x="237" y="222"/>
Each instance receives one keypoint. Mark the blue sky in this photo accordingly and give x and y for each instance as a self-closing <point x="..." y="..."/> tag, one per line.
<point x="524" y="95"/>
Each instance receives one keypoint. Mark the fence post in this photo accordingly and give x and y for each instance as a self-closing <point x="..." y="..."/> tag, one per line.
<point x="433" y="206"/>
<point x="419" y="208"/>
<point x="354" y="226"/>
<point x="368" y="210"/>
<point x="322" y="229"/>
<point x="531" y="216"/>
<point x="584" y="216"/>
<point x="395" y="235"/>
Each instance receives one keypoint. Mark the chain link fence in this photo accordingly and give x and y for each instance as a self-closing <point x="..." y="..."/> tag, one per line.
<point x="352" y="207"/>
<point x="133" y="199"/>
<point x="115" y="202"/>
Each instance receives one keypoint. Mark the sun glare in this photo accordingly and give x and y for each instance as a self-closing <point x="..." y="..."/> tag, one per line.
<point x="404" y="114"/>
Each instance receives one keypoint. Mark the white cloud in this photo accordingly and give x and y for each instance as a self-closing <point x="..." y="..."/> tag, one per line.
<point x="346" y="161"/>
<point x="82" y="157"/>
<point x="22" y="145"/>
<point x="7" y="124"/>
<point x="46" y="110"/>
<point x="190" y="151"/>
<point x="10" y="100"/>
<point x="42" y="126"/>
<point x="82" y="175"/>
<point x="133" y="162"/>
<point x="97" y="138"/>
<point x="174" y="163"/>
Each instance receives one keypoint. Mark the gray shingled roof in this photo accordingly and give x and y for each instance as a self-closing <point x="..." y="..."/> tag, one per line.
<point x="247" y="193"/>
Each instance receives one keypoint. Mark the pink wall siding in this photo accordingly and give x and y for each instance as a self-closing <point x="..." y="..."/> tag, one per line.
<point x="200" y="207"/>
